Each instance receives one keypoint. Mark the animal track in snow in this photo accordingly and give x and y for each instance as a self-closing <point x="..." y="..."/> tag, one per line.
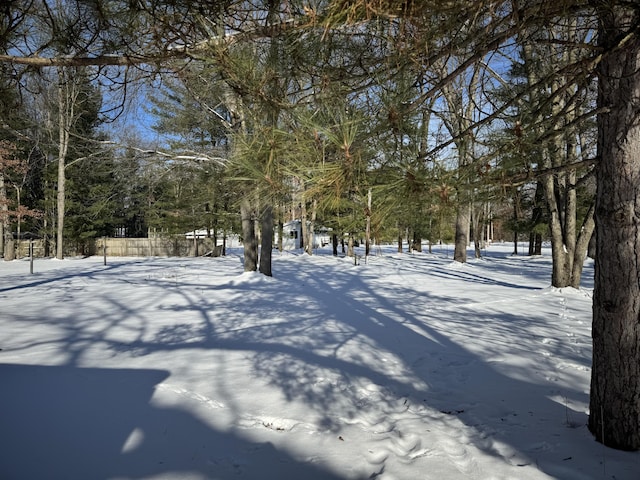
<point x="276" y="424"/>
<point x="190" y="395"/>
<point x="459" y="456"/>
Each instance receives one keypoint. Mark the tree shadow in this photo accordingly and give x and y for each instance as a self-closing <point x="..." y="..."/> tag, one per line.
<point x="60" y="422"/>
<point x="503" y="410"/>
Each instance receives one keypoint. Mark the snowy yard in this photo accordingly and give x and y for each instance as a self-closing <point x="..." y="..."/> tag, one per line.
<point x="406" y="367"/>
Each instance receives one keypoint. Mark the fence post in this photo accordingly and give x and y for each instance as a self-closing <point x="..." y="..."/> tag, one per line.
<point x="31" y="257"/>
<point x="104" y="249"/>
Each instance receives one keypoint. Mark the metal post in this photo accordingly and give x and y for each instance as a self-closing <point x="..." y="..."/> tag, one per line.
<point x="31" y="257"/>
<point x="104" y="249"/>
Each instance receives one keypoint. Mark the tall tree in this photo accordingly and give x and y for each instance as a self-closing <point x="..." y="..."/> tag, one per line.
<point x="461" y="101"/>
<point x="614" y="408"/>
<point x="77" y="109"/>
<point x="561" y="141"/>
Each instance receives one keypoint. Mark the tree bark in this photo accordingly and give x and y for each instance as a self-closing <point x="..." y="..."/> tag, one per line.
<point x="367" y="239"/>
<point x="310" y="233"/>
<point x="614" y="416"/>
<point x="477" y="218"/>
<point x="249" y="237"/>
<point x="67" y="98"/>
<point x="303" y="226"/>
<point x="582" y="247"/>
<point x="60" y="200"/>
<point x="280" y="229"/>
<point x="4" y="213"/>
<point x="462" y="233"/>
<point x="266" y="241"/>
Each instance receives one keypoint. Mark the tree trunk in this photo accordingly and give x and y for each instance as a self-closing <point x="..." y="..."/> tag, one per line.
<point x="537" y="218"/>
<point x="4" y="213"/>
<point x="9" y="249"/>
<point x="538" y="247"/>
<point x="477" y="218"/>
<point x="67" y="96"/>
<point x="614" y="416"/>
<point x="462" y="233"/>
<point x="266" y="240"/>
<point x="560" y="192"/>
<point x="560" y="268"/>
<point x="60" y="203"/>
<point x="280" y="232"/>
<point x="416" y="242"/>
<point x="582" y="247"/>
<point x="303" y="226"/>
<point x="367" y="239"/>
<point x="249" y="237"/>
<point x="309" y="240"/>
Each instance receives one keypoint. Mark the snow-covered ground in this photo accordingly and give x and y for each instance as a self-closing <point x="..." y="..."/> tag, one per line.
<point x="406" y="367"/>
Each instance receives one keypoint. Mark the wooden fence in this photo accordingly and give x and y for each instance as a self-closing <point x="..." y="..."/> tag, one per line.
<point x="167" y="246"/>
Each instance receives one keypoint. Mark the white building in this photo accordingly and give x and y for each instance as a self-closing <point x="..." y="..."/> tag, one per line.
<point x="292" y="236"/>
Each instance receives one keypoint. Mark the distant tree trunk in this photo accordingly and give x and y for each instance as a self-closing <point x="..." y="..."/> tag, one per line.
<point x="9" y="249"/>
<point x="266" y="240"/>
<point x="614" y="408"/>
<point x="303" y="225"/>
<point x="249" y="237"/>
<point x="417" y="242"/>
<point x="334" y="242"/>
<point x="535" y="243"/>
<point x="561" y="248"/>
<point x="310" y="233"/>
<point x="4" y="213"/>
<point x="591" y="249"/>
<point x="280" y="231"/>
<point x="60" y="203"/>
<point x="560" y="191"/>
<point x="516" y="220"/>
<point x="582" y="246"/>
<point x="568" y="248"/>
<point x="67" y="97"/>
<point x="477" y="219"/>
<point x="535" y="237"/>
<point x="195" y="241"/>
<point x="367" y="240"/>
<point x="459" y="120"/>
<point x="462" y="233"/>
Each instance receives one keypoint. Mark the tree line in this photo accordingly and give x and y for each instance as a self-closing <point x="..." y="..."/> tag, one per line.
<point x="376" y="118"/>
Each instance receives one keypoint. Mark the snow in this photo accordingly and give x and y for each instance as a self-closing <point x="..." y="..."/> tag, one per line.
<point x="407" y="366"/>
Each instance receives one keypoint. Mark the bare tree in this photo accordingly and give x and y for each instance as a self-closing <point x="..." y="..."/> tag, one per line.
<point x="67" y="96"/>
<point x="566" y="146"/>
<point x="460" y="97"/>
